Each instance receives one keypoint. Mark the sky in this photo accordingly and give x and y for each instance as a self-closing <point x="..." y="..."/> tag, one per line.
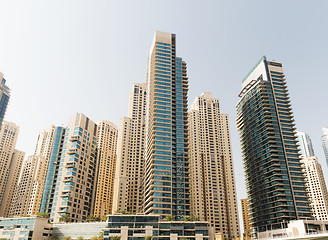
<point x="62" y="57"/>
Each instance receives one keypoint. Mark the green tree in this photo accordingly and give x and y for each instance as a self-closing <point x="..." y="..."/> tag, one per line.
<point x="115" y="238"/>
<point x="80" y="238"/>
<point x="123" y="211"/>
<point x="54" y="237"/>
<point x="195" y="218"/>
<point x="43" y="214"/>
<point x="65" y="218"/>
<point x="149" y="238"/>
<point x="168" y="218"/>
<point x="94" y="238"/>
<point x="186" y="218"/>
<point x="26" y="215"/>
<point x="90" y="218"/>
<point x="67" y="238"/>
<point x="104" y="218"/>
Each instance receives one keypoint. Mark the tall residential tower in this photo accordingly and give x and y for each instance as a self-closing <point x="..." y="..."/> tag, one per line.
<point x="4" y="97"/>
<point x="324" y="141"/>
<point x="106" y="147"/>
<point x="316" y="187"/>
<point x="275" y="184"/>
<point x="8" y="164"/>
<point x="213" y="188"/>
<point x="166" y="169"/>
<point x="130" y="154"/>
<point x="75" y="187"/>
<point x="305" y="145"/>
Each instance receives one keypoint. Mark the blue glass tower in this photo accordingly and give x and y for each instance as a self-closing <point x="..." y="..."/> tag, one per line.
<point x="166" y="171"/>
<point x="4" y="98"/>
<point x="274" y="179"/>
<point x="52" y="172"/>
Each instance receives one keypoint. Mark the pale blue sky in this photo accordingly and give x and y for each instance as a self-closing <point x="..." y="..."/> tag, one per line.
<point x="61" y="57"/>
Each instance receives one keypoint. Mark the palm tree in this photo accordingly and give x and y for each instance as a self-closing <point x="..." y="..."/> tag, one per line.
<point x="195" y="218"/>
<point x="186" y="218"/>
<point x="65" y="218"/>
<point x="90" y="218"/>
<point x="43" y="214"/>
<point x="168" y="218"/>
<point x="115" y="238"/>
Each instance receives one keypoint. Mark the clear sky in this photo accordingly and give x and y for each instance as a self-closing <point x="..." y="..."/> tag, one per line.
<point x="61" y="57"/>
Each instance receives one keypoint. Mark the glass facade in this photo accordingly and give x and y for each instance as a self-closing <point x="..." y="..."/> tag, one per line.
<point x="166" y="153"/>
<point x="275" y="184"/>
<point x="4" y="98"/>
<point x="52" y="172"/>
<point x="140" y="226"/>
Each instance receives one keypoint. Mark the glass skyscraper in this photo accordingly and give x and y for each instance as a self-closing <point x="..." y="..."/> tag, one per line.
<point x="305" y="145"/>
<point x="52" y="172"/>
<point x="324" y="141"/>
<point x="4" y="97"/>
<point x="166" y="172"/>
<point x="275" y="184"/>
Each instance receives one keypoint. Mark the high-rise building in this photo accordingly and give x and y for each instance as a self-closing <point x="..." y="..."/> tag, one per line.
<point x="8" y="138"/>
<point x="75" y="187"/>
<point x="13" y="177"/>
<point x="316" y="187"/>
<point x="166" y="169"/>
<point x="28" y="193"/>
<point x="275" y="185"/>
<point x="324" y="141"/>
<point x="52" y="171"/>
<point x="4" y="97"/>
<point x="44" y="142"/>
<point x="212" y="181"/>
<point x="107" y="141"/>
<point x="247" y="224"/>
<point x="305" y="145"/>
<point x="34" y="172"/>
<point x="130" y="154"/>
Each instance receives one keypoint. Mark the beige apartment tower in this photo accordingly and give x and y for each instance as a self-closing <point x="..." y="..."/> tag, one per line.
<point x="9" y="165"/>
<point x="130" y="154"/>
<point x="213" y="190"/>
<point x="107" y="141"/>
<point x="75" y="187"/>
<point x="246" y="219"/>
<point x="316" y="187"/>
<point x="15" y="168"/>
<point x="28" y="193"/>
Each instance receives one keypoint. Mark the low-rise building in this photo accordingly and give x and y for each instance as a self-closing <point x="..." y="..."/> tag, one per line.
<point x="135" y="227"/>
<point x="25" y="228"/>
<point x="299" y="229"/>
<point x="86" y="230"/>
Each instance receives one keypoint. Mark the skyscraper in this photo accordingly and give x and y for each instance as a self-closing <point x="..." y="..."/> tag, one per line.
<point x="13" y="177"/>
<point x="75" y="187"/>
<point x="213" y="189"/>
<point x="106" y="143"/>
<point x="166" y="169"/>
<point x="275" y="185"/>
<point x="28" y="193"/>
<point x="130" y="154"/>
<point x="52" y="171"/>
<point x="8" y="138"/>
<point x="4" y="97"/>
<point x="247" y="224"/>
<point x="316" y="187"/>
<point x="324" y="141"/>
<point x="305" y="145"/>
